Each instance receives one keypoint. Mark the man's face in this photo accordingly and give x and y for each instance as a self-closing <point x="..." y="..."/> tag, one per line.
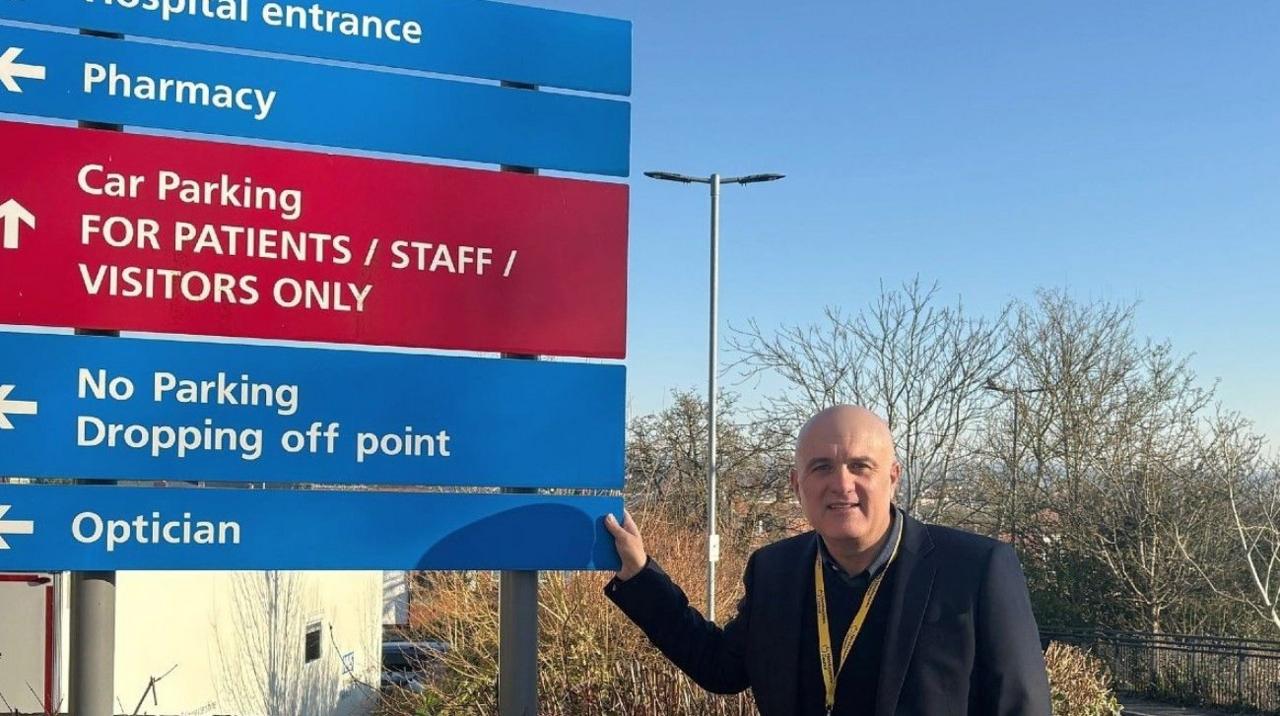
<point x="845" y="476"/>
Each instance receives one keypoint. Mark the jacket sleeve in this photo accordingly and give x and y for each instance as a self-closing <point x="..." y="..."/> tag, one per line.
<point x="713" y="657"/>
<point x="1009" y="675"/>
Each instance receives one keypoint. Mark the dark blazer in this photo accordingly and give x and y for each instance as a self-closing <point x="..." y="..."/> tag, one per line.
<point x="961" y="638"/>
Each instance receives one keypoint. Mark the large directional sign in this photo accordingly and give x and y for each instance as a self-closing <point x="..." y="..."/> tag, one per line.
<point x="74" y="77"/>
<point x="99" y="528"/>
<point x="119" y="408"/>
<point x="115" y="231"/>
<point x="475" y="38"/>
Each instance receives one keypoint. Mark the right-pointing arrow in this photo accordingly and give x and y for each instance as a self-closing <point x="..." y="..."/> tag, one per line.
<point x="13" y="407"/>
<point x="11" y="70"/>
<point x="12" y="214"/>
<point x="13" y="527"/>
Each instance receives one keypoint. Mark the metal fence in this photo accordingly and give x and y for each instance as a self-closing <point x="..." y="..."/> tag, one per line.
<point x="1211" y="671"/>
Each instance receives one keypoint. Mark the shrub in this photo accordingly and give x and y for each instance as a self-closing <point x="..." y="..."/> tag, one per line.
<point x="592" y="660"/>
<point x="1079" y="683"/>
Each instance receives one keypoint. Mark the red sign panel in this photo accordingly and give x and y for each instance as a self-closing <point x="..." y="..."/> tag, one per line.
<point x="109" y="231"/>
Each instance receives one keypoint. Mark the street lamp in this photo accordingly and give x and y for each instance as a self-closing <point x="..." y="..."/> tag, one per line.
<point x="715" y="180"/>
<point x="1016" y="394"/>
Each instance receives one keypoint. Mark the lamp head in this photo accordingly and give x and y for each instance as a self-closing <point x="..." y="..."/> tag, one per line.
<point x="672" y="176"/>
<point x="758" y="178"/>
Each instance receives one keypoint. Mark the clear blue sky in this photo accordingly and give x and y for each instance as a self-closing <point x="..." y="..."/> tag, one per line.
<point x="1122" y="150"/>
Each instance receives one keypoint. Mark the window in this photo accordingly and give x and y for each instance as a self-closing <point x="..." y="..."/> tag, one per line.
<point x="311" y="647"/>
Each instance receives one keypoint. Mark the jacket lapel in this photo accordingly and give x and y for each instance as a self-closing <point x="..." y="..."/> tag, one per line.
<point x="911" y="590"/>
<point x="782" y="641"/>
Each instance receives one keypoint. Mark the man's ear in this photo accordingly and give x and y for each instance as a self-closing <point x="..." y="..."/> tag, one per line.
<point x="795" y="483"/>
<point x="895" y="474"/>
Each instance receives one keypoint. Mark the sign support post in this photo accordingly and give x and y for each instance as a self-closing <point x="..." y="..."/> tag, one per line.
<point x="518" y="599"/>
<point x="93" y="640"/>
<point x="518" y="641"/>
<point x="92" y="662"/>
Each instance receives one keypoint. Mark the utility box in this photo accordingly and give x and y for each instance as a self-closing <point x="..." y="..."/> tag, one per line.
<point x="30" y="609"/>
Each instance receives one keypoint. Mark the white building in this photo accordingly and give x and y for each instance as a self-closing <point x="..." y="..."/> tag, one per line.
<point x="395" y="600"/>
<point x="243" y="643"/>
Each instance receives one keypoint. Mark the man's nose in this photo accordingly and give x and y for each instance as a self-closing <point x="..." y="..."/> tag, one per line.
<point x="846" y="481"/>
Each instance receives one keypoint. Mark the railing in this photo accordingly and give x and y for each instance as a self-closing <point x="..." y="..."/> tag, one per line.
<point x="1211" y="671"/>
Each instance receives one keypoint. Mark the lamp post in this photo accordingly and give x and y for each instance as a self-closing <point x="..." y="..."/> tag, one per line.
<point x="1016" y="394"/>
<point x="714" y="181"/>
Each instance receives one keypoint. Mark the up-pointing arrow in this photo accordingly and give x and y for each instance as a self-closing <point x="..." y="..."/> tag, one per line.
<point x="12" y="213"/>
<point x="13" y="527"/>
<point x="13" y="407"/>
<point x="11" y="70"/>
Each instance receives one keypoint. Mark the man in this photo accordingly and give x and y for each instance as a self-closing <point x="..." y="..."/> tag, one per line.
<point x="872" y="613"/>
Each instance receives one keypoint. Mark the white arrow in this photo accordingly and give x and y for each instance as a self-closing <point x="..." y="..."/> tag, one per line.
<point x="11" y="71"/>
<point x="14" y="527"/>
<point x="14" y="407"/>
<point x="12" y="213"/>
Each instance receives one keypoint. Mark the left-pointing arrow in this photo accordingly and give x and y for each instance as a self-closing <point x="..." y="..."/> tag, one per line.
<point x="13" y="527"/>
<point x="11" y="70"/>
<point x="13" y="407"/>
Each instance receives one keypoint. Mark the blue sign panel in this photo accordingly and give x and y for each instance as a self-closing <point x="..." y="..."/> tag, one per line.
<point x="473" y="38"/>
<point x="120" y="408"/>
<point x="74" y="77"/>
<point x="44" y="528"/>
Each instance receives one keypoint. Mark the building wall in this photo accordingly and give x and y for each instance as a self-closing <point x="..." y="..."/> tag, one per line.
<point x="25" y="652"/>
<point x="233" y="642"/>
<point x="395" y="599"/>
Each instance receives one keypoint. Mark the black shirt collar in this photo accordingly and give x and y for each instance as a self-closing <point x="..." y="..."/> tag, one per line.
<point x="881" y="561"/>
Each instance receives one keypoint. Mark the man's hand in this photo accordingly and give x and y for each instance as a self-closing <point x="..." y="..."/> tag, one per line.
<point x="630" y="545"/>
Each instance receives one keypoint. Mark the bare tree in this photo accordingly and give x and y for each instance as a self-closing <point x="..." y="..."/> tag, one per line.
<point x="1072" y="361"/>
<point x="1113" y="429"/>
<point x="920" y="364"/>
<point x="667" y="463"/>
<point x="1255" y="512"/>
<point x="1240" y="561"/>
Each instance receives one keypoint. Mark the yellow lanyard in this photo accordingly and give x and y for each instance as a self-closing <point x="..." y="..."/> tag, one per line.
<point x="830" y="671"/>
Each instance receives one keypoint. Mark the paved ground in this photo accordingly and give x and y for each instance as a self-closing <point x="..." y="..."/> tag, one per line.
<point x="1139" y="707"/>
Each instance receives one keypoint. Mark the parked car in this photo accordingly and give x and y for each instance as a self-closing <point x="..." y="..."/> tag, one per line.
<point x="411" y="665"/>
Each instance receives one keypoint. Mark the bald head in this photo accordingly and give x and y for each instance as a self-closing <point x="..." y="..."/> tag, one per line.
<point x="839" y="423"/>
<point x="845" y="477"/>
